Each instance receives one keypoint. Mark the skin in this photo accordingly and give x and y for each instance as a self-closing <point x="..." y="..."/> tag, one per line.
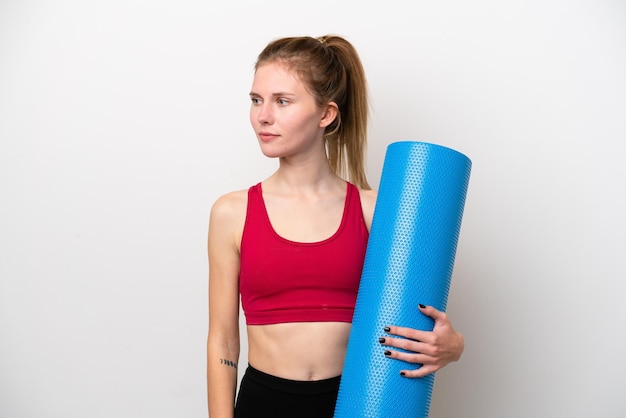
<point x="289" y="126"/>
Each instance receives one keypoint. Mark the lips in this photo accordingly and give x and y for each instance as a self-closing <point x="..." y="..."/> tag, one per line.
<point x="266" y="136"/>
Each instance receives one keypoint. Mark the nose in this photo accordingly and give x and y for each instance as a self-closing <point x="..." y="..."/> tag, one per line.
<point x="264" y="114"/>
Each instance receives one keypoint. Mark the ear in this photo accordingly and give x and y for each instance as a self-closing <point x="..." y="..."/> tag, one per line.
<point x="330" y="114"/>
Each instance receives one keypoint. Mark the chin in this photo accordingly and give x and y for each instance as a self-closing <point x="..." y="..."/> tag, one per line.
<point x="271" y="155"/>
<point x="270" y="151"/>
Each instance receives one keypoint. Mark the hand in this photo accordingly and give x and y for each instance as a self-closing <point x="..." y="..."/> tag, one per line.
<point x="432" y="349"/>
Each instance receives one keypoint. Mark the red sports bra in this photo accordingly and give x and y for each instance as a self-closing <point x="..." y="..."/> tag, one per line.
<point x="286" y="281"/>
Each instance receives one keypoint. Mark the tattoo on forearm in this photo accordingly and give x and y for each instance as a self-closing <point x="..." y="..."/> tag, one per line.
<point x="228" y="363"/>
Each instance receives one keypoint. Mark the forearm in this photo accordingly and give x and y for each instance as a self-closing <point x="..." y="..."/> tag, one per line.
<point x="222" y="362"/>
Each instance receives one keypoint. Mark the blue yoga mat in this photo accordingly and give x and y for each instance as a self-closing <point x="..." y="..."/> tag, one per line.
<point x="409" y="260"/>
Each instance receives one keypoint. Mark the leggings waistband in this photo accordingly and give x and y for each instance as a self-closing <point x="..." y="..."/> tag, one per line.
<point x="299" y="387"/>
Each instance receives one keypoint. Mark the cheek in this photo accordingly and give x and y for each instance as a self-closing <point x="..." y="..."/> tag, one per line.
<point x="312" y="122"/>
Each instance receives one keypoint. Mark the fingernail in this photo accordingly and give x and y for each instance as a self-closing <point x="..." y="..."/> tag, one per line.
<point x="386" y="329"/>
<point x="422" y="306"/>
<point x="381" y="340"/>
<point x="402" y="374"/>
<point x="387" y="352"/>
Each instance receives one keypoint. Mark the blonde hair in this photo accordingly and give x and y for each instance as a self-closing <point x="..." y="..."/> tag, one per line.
<point x="332" y="70"/>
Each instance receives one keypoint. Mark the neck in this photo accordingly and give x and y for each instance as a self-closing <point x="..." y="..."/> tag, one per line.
<point x="303" y="176"/>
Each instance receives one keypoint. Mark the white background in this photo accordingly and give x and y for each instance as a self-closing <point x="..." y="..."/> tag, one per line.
<point x="122" y="121"/>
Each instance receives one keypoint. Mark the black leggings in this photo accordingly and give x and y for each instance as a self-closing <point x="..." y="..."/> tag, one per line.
<point x="262" y="395"/>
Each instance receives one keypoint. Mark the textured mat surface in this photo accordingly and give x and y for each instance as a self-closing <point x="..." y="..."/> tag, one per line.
<point x="409" y="260"/>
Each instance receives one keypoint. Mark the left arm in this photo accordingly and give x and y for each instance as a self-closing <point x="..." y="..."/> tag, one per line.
<point x="432" y="349"/>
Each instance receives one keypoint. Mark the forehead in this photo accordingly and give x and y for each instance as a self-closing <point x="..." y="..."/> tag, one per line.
<point x="272" y="77"/>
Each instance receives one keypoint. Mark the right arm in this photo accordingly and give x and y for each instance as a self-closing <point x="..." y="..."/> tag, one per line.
<point x="225" y="225"/>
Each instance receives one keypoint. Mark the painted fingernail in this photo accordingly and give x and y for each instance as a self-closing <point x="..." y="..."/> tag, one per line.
<point x="422" y="306"/>
<point x="387" y="353"/>
<point x="386" y="329"/>
<point x="402" y="374"/>
<point x="381" y="340"/>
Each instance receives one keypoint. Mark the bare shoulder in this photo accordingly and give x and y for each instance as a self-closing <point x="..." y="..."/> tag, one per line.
<point x="368" y="202"/>
<point x="230" y="205"/>
<point x="228" y="215"/>
<point x="368" y="197"/>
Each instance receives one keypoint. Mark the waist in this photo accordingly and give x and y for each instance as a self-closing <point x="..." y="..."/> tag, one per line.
<point x="302" y="351"/>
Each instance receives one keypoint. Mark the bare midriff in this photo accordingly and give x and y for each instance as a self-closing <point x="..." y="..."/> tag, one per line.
<point x="302" y="351"/>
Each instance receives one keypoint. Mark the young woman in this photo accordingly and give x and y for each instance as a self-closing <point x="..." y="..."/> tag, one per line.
<point x="293" y="245"/>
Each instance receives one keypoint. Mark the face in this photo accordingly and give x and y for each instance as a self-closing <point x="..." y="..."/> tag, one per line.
<point x="284" y="114"/>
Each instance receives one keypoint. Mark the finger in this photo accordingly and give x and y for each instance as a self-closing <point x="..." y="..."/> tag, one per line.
<point x="408" y="345"/>
<point x="426" y="364"/>
<point x="415" y="358"/>
<point x="410" y="333"/>
<point x="432" y="312"/>
<point x="417" y="373"/>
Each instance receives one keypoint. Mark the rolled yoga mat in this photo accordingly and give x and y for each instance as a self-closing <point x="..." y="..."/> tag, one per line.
<point x="409" y="260"/>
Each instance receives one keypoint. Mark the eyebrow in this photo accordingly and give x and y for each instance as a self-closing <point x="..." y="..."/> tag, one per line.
<point x="279" y="94"/>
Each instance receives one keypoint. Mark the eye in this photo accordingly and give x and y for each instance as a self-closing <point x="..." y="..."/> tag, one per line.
<point x="255" y="100"/>
<point x="282" y="102"/>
